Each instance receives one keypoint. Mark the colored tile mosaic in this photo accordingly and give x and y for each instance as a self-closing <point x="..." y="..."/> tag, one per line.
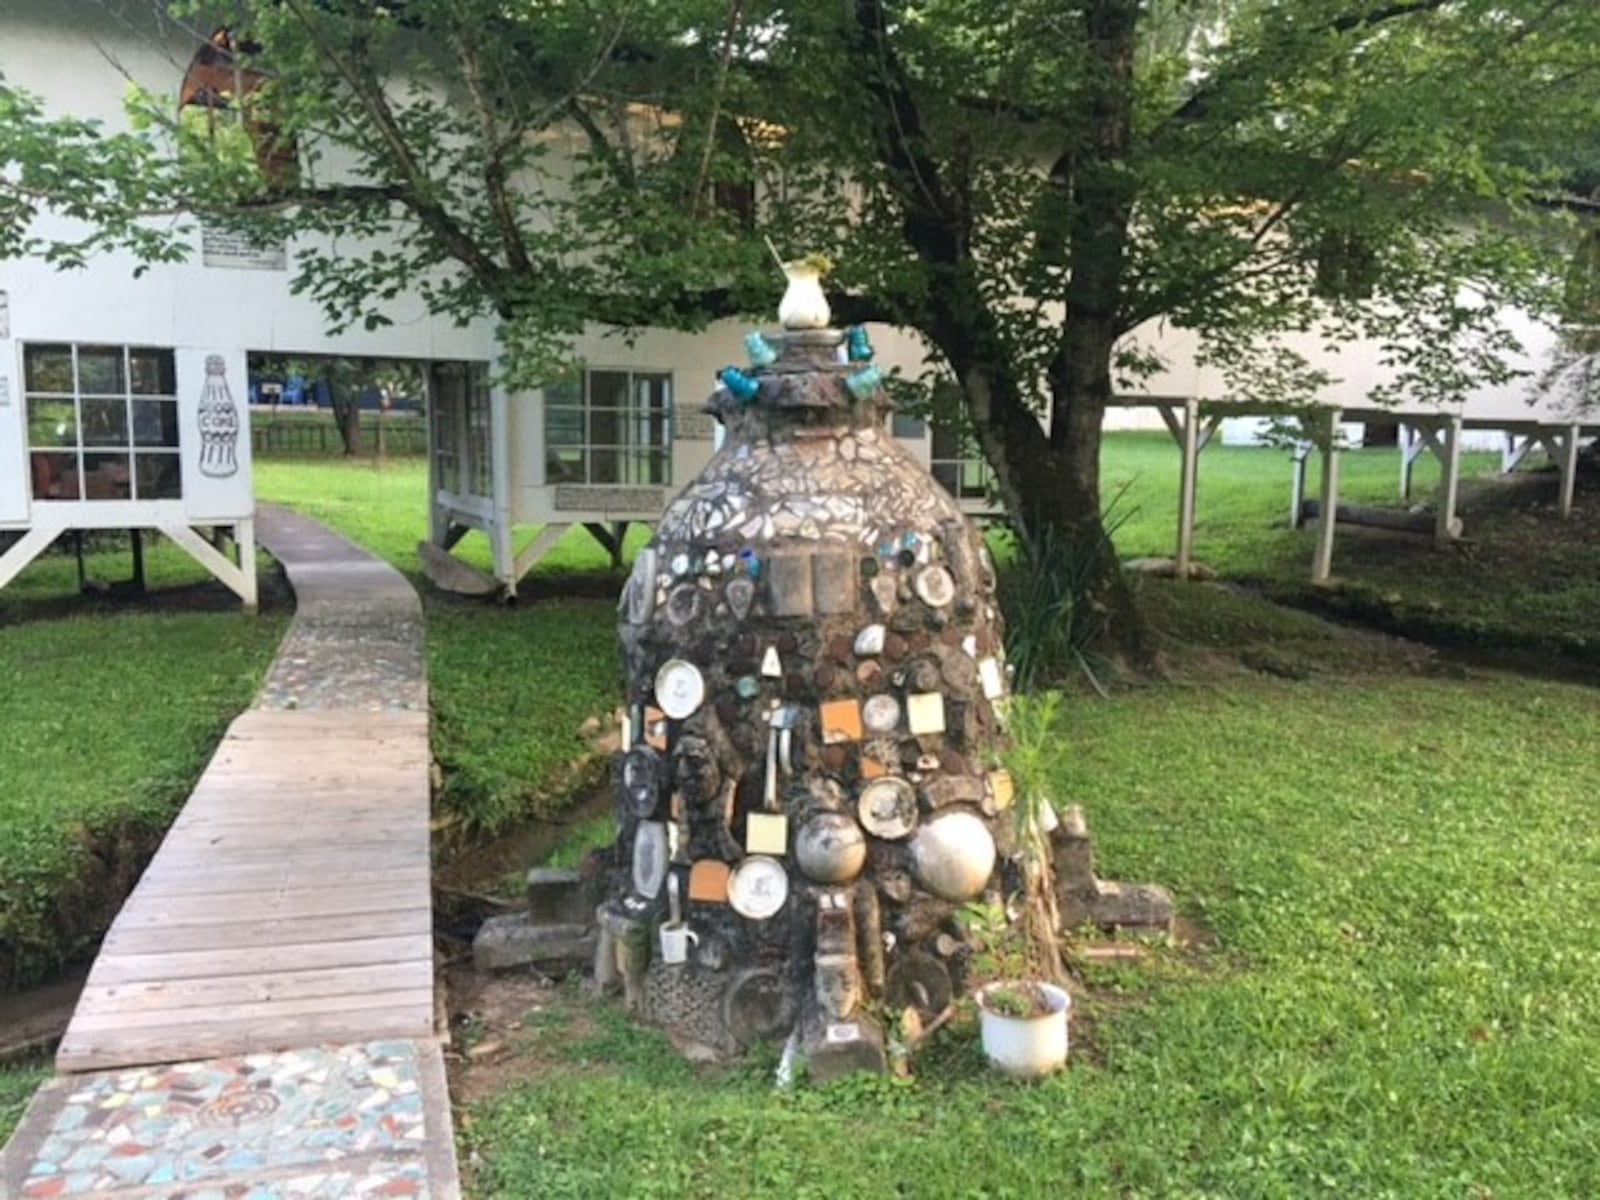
<point x="308" y="1124"/>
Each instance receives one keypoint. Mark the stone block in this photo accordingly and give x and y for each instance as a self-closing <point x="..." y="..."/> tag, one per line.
<point x="516" y="940"/>
<point x="836" y="1050"/>
<point x="560" y="896"/>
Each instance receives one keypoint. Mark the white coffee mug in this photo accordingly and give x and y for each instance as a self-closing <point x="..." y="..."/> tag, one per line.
<point x="675" y="939"/>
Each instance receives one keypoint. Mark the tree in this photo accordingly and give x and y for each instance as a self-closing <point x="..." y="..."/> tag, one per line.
<point x="1023" y="183"/>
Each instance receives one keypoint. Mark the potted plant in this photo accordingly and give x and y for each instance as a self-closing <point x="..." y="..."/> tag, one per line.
<point x="1022" y="1007"/>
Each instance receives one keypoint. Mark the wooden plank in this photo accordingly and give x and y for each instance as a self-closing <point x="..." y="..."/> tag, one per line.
<point x="118" y="1018"/>
<point x="372" y="858"/>
<point x="296" y="956"/>
<point x="247" y="931"/>
<point x="243" y="989"/>
<point x="193" y="1041"/>
<point x="213" y="880"/>
<point x="354" y="839"/>
<point x="220" y="907"/>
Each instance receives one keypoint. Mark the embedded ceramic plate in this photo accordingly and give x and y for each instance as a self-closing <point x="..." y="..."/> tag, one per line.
<point x="641" y="779"/>
<point x="680" y="688"/>
<point x="650" y="854"/>
<point x="888" y="807"/>
<point x="758" y="887"/>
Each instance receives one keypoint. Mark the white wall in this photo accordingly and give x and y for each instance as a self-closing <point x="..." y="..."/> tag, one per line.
<point x="79" y="59"/>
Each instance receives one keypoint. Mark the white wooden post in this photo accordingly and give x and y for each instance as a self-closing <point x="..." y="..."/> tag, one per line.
<point x="1569" y="470"/>
<point x="1445" y="526"/>
<point x="244" y="536"/>
<point x="1189" y="444"/>
<point x="1322" y="557"/>
<point x="1297" y="483"/>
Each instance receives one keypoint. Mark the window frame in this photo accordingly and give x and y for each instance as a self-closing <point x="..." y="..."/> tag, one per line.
<point x="638" y="445"/>
<point x="127" y="399"/>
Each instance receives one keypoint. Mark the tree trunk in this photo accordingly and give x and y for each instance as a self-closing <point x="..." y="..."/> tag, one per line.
<point x="347" y="416"/>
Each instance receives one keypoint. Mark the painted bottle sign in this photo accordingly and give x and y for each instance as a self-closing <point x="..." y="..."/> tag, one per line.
<point x="219" y="423"/>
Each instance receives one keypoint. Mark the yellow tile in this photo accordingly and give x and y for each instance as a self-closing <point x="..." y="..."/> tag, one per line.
<point x="766" y="833"/>
<point x="925" y="713"/>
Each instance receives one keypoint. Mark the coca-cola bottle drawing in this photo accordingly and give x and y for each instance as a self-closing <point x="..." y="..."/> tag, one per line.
<point x="219" y="423"/>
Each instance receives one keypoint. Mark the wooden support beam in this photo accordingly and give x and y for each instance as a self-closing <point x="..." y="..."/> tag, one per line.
<point x="1447" y="528"/>
<point x="1569" y="470"/>
<point x="1322" y="556"/>
<point x="1514" y="451"/>
<point x="1412" y="445"/>
<point x="1297" y="484"/>
<point x="530" y="554"/>
<point x="239" y="578"/>
<point x="1189" y="448"/>
<point x="32" y="544"/>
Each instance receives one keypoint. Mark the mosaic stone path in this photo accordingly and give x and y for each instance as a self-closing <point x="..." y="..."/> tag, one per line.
<point x="314" y="1124"/>
<point x="278" y="949"/>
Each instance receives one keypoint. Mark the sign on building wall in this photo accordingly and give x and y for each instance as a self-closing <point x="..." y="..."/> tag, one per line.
<point x="229" y="248"/>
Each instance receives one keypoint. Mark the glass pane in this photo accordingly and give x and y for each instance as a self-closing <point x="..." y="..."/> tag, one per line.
<point x="105" y="422"/>
<point x="47" y="369"/>
<point x="158" y="476"/>
<point x="607" y="428"/>
<point x="55" y="476"/>
<point x="52" y="422"/>
<point x="107" y="477"/>
<point x="608" y="389"/>
<point x="564" y="466"/>
<point x="910" y="428"/>
<point x="605" y="465"/>
<point x="155" y="423"/>
<point x="563" y="426"/>
<point x="100" y="371"/>
<point x="564" y="392"/>
<point x="151" y="372"/>
<point x="654" y="392"/>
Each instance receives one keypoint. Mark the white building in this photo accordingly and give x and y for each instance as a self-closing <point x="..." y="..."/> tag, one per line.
<point x="122" y="399"/>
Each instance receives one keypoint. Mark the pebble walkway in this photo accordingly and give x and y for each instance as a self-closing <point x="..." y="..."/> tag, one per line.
<point x="260" y="1021"/>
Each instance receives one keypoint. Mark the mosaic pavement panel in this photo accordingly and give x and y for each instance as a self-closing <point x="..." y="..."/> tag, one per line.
<point x="311" y="1124"/>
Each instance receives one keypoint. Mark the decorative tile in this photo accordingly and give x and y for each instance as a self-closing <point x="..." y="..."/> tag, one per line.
<point x="352" y="1117"/>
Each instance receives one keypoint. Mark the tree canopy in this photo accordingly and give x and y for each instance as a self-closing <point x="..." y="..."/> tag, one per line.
<point x="1023" y="183"/>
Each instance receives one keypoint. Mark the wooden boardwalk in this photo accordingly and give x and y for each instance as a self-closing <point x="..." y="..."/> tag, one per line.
<point x="289" y="905"/>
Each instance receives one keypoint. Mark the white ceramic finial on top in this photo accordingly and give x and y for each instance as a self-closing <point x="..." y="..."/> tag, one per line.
<point x="803" y="305"/>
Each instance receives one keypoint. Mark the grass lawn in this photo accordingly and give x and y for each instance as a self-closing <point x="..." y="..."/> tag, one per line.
<point x="111" y="708"/>
<point x="18" y="1082"/>
<point x="1395" y="990"/>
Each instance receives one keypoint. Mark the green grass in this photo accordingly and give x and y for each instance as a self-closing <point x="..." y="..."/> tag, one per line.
<point x="1400" y="876"/>
<point x="109" y="718"/>
<point x="18" y="1082"/>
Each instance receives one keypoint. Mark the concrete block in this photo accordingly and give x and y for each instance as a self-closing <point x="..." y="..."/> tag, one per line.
<point x="560" y="896"/>
<point x="516" y="940"/>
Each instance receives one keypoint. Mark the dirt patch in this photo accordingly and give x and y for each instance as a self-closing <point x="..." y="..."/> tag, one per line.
<point x="273" y="593"/>
<point x="501" y="1028"/>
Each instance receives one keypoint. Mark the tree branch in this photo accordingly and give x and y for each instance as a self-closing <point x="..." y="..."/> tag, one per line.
<point x="494" y="170"/>
<point x="1198" y="103"/>
<point x="418" y="194"/>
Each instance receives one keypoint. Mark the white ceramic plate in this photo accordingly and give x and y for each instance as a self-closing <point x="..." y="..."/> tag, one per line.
<point x="758" y="887"/>
<point x="680" y="688"/>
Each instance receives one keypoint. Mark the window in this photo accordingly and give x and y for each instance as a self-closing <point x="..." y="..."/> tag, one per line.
<point x="609" y="427"/>
<point x="957" y="464"/>
<point x="461" y="429"/>
<point x="1347" y="267"/>
<point x="102" y="422"/>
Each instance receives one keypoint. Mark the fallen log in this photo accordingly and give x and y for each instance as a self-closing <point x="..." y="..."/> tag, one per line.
<point x="1391" y="519"/>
